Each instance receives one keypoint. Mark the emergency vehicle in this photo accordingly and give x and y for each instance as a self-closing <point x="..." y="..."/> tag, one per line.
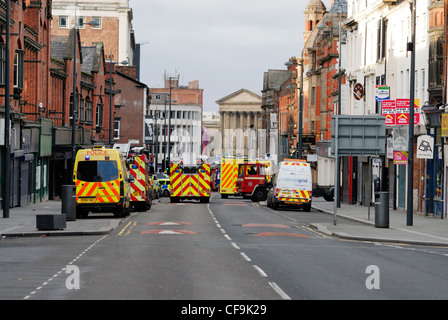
<point x="292" y="185"/>
<point x="142" y="192"/>
<point x="215" y="177"/>
<point x="190" y="182"/>
<point x="102" y="182"/>
<point x="247" y="178"/>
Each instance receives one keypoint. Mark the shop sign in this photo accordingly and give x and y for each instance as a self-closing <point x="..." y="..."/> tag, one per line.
<point x="425" y="147"/>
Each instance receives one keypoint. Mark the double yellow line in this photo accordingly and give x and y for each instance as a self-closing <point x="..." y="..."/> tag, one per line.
<point x="127" y="228"/>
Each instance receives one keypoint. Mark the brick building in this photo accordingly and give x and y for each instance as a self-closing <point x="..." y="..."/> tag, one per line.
<point x="113" y="29"/>
<point x="131" y="108"/>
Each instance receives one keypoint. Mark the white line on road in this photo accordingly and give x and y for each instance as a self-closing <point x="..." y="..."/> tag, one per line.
<point x="281" y="293"/>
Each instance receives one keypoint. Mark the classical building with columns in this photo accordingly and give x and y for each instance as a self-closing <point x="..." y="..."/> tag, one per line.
<point x="241" y="124"/>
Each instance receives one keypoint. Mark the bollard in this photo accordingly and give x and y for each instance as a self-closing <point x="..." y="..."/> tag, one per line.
<point x="382" y="210"/>
<point x="69" y="202"/>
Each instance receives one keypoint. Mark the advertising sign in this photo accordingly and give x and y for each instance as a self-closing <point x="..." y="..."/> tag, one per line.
<point x="381" y="93"/>
<point x="402" y="112"/>
<point x="400" y="157"/>
<point x="149" y="129"/>
<point x="425" y="147"/>
<point x="389" y="112"/>
<point x="444" y="124"/>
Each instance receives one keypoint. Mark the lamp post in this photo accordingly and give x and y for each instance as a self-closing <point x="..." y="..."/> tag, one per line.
<point x="7" y="154"/>
<point x="409" y="207"/>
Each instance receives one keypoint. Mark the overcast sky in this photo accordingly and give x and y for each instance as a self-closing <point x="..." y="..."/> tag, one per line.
<point x="225" y="44"/>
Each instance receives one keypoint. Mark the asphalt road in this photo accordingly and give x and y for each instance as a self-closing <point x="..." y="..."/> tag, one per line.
<point x="230" y="249"/>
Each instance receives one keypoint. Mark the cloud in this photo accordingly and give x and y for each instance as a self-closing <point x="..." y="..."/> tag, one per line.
<point x="225" y="44"/>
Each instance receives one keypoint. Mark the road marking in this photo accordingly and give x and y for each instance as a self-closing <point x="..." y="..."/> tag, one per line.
<point x="245" y="256"/>
<point x="125" y="227"/>
<point x="167" y="223"/>
<point x="277" y="289"/>
<point x="63" y="269"/>
<point x="265" y="225"/>
<point x="279" y="234"/>
<point x="168" y="232"/>
<point x="260" y="271"/>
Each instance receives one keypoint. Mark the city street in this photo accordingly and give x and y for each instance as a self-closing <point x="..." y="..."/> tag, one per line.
<point x="230" y="249"/>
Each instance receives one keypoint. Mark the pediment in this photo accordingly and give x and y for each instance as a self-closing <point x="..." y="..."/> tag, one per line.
<point x="242" y="96"/>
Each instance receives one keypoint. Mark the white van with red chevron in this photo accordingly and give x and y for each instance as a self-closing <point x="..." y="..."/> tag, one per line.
<point x="292" y="185"/>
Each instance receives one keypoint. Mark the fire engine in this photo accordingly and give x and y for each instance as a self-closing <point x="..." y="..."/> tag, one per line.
<point x="141" y="188"/>
<point x="215" y="177"/>
<point x="190" y="182"/>
<point x="245" y="178"/>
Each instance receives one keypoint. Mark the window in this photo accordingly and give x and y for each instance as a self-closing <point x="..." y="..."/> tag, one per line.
<point x="99" y="115"/>
<point x="116" y="128"/>
<point x="97" y="171"/>
<point x="88" y="110"/>
<point x="18" y="70"/>
<point x="2" y="64"/>
<point x="99" y="23"/>
<point x="81" y="109"/>
<point x="81" y="22"/>
<point x="63" y="22"/>
<point x="313" y="96"/>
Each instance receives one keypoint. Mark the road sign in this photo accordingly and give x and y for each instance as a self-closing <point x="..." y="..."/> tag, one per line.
<point x="358" y="135"/>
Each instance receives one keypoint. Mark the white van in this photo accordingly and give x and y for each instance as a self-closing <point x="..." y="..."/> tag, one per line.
<point x="292" y="185"/>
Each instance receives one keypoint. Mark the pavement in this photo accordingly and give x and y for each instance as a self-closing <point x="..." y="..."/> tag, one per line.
<point x="353" y="222"/>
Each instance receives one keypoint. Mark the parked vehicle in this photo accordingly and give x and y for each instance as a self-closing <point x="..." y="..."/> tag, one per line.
<point x="292" y="185"/>
<point x="142" y="192"/>
<point x="102" y="182"/>
<point x="157" y="188"/>
<point x="165" y="185"/>
<point x="190" y="182"/>
<point x="245" y="178"/>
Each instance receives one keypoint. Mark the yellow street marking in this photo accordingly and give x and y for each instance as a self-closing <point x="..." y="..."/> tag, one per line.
<point x="125" y="227"/>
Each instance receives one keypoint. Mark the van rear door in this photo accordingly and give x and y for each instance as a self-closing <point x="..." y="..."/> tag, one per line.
<point x="97" y="181"/>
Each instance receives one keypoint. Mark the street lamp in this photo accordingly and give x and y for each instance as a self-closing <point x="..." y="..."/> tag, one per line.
<point x="7" y="154"/>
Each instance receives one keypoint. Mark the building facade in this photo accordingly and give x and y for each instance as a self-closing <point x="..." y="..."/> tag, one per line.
<point x="240" y="114"/>
<point x="177" y="124"/>
<point x="113" y="25"/>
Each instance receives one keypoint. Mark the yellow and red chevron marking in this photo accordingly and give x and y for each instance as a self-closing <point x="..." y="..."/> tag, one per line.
<point x="175" y="180"/>
<point x="229" y="174"/>
<point x="138" y="192"/>
<point x="108" y="191"/>
<point x="293" y="200"/>
<point x="294" y="163"/>
<point x="204" y="181"/>
<point x="86" y="189"/>
<point x="194" y="185"/>
<point x="103" y="191"/>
